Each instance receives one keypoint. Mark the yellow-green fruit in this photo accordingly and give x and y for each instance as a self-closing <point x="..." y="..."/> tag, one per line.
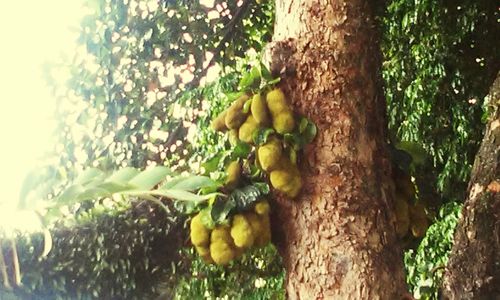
<point x="265" y="234"/>
<point x="402" y="215"/>
<point x="259" y="110"/>
<point x="293" y="188"/>
<point x="255" y="222"/>
<point x="262" y="208"/>
<point x="241" y="232"/>
<point x="280" y="178"/>
<point x="269" y="154"/>
<point x="233" y="174"/>
<point x="222" y="253"/>
<point x="233" y="137"/>
<point x="276" y="102"/>
<point x="405" y="185"/>
<point x="419" y="227"/>
<point x="221" y="233"/>
<point x="247" y="129"/>
<point x="418" y="218"/>
<point x="284" y="122"/>
<point x="199" y="233"/>
<point x="235" y="115"/>
<point x="219" y="123"/>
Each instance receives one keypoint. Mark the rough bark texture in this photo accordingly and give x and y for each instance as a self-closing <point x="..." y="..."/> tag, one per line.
<point x="337" y="239"/>
<point x="473" y="271"/>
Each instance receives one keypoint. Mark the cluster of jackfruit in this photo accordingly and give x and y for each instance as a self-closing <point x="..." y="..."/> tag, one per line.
<point x="225" y="243"/>
<point x="264" y="112"/>
<point x="410" y="215"/>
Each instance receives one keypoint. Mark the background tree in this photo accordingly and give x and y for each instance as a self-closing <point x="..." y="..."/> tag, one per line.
<point x="476" y="238"/>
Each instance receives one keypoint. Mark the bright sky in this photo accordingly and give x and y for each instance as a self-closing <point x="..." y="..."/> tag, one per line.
<point x="31" y="33"/>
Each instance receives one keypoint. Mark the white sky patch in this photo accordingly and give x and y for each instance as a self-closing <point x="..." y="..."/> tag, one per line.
<point x="31" y="34"/>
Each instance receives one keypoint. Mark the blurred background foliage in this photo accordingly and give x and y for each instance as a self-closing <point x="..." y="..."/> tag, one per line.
<point x="141" y="89"/>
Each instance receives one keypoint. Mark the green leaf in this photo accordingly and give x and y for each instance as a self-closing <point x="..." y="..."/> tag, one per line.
<point x="417" y="152"/>
<point x="220" y="210"/>
<point x="309" y="132"/>
<point x="251" y="79"/>
<point x="266" y="75"/>
<point x="261" y="135"/>
<point x="123" y="175"/>
<point x="233" y="96"/>
<point x="241" y="150"/>
<point x="70" y="195"/>
<point x="92" y="193"/>
<point x="212" y="164"/>
<point x="189" y="183"/>
<point x="149" y="178"/>
<point x="89" y="175"/>
<point x="114" y="187"/>
<point x="206" y="218"/>
<point x="295" y="140"/>
<point x="247" y="195"/>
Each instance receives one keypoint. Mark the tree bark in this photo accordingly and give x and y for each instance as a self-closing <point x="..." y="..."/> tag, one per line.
<point x="338" y="238"/>
<point x="473" y="271"/>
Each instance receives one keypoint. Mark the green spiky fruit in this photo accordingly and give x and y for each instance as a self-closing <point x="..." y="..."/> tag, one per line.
<point x="259" y="110"/>
<point x="284" y="122"/>
<point x="247" y="129"/>
<point x="235" y="115"/>
<point x="276" y="102"/>
<point x="219" y="123"/>
<point x="262" y="208"/>
<point x="402" y="215"/>
<point x="233" y="174"/>
<point x="241" y="232"/>
<point x="221" y="252"/>
<point x="199" y="233"/>
<point x="269" y="154"/>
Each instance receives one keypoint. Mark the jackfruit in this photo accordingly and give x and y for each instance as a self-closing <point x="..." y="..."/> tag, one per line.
<point x="241" y="232"/>
<point x="247" y="129"/>
<point x="235" y="115"/>
<point x="418" y="218"/>
<point x="419" y="227"/>
<point x="221" y="233"/>
<point x="259" y="110"/>
<point x="402" y="215"/>
<point x="286" y="178"/>
<point x="269" y="154"/>
<point x="233" y="174"/>
<point x="262" y="208"/>
<point x="233" y="137"/>
<point x="293" y="188"/>
<point x="221" y="252"/>
<point x="255" y="222"/>
<point x="280" y="178"/>
<point x="284" y="122"/>
<point x="405" y="185"/>
<point x="276" y="102"/>
<point x="199" y="233"/>
<point x="219" y="123"/>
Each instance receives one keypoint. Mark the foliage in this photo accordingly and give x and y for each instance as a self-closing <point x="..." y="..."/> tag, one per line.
<point x="258" y="275"/>
<point x="102" y="254"/>
<point x="425" y="265"/>
<point x="440" y="58"/>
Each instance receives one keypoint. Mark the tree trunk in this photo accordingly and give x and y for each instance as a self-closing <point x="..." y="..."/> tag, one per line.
<point x="473" y="271"/>
<point x="337" y="239"/>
